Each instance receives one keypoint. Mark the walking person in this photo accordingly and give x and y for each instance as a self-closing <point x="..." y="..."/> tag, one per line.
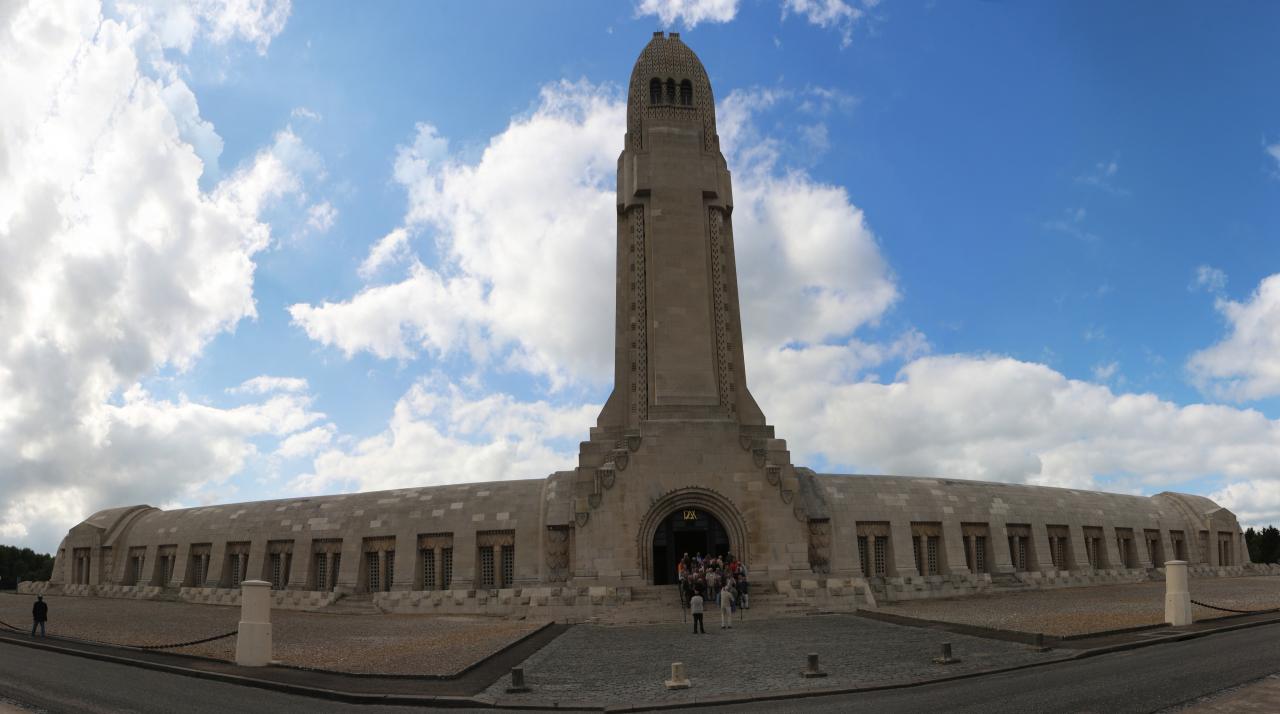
<point x="727" y="595"/>
<point x="39" y="615"/>
<point x="695" y="608"/>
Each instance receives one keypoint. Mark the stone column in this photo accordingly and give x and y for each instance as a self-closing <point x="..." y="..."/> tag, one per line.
<point x="904" y="558"/>
<point x="300" y="571"/>
<point x="216" y="559"/>
<point x="1177" y="597"/>
<point x="330" y="577"/>
<point x="497" y="568"/>
<point x="1110" y="542"/>
<point x="999" y="537"/>
<point x="1141" y="548"/>
<point x="953" y="544"/>
<point x="1079" y="549"/>
<point x="464" y="560"/>
<point x="180" y="565"/>
<point x="437" y="556"/>
<point x="1038" y="548"/>
<point x="253" y="641"/>
<point x="349" y="565"/>
<point x="405" y="561"/>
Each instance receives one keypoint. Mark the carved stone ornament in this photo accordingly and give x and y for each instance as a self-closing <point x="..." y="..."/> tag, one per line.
<point x="787" y="494"/>
<point x="581" y="518"/>
<point x="633" y="441"/>
<point x="773" y="474"/>
<point x="606" y="477"/>
<point x="798" y="511"/>
<point x="759" y="455"/>
<point x="558" y="554"/>
<point x="594" y="500"/>
<point x="621" y="457"/>
<point x="745" y="442"/>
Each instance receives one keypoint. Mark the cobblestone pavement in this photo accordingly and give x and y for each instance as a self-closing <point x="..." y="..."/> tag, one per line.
<point x="628" y="664"/>
<point x="382" y="644"/>
<point x="1076" y="611"/>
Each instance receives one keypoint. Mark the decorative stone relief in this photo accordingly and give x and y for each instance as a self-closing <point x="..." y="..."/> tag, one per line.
<point x="820" y="546"/>
<point x="717" y="229"/>
<point x="639" y="320"/>
<point x="558" y="540"/>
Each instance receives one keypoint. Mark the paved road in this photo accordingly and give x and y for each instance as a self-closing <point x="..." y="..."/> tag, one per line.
<point x="1142" y="680"/>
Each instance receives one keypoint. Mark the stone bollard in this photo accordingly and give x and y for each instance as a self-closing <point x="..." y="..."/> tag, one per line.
<point x="253" y="641"/>
<point x="678" y="679"/>
<point x="517" y="681"/>
<point x="1039" y="645"/>
<point x="813" y="670"/>
<point x="1177" y="598"/>
<point x="944" y="657"/>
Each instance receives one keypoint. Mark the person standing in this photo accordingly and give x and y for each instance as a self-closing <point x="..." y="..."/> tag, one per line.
<point x="727" y="595"/>
<point x="695" y="608"/>
<point x="39" y="615"/>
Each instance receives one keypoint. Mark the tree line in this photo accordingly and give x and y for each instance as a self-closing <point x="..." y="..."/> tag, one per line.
<point x="17" y="564"/>
<point x="1264" y="544"/>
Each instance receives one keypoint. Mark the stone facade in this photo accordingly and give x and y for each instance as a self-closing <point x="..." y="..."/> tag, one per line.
<point x="681" y="458"/>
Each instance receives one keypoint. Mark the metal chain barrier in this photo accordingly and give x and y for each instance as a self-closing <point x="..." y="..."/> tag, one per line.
<point x="1227" y="609"/>
<point x="138" y="647"/>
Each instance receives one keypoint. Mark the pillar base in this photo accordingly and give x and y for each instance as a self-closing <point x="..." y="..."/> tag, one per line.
<point x="253" y="644"/>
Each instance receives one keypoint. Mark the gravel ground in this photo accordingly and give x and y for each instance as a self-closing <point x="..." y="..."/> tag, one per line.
<point x="628" y="664"/>
<point x="372" y="644"/>
<point x="1078" y="611"/>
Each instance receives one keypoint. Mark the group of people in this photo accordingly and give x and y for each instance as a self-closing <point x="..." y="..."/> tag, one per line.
<point x="722" y="581"/>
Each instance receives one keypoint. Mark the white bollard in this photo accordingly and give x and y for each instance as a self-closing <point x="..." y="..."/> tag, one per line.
<point x="678" y="678"/>
<point x="253" y="641"/>
<point x="1177" y="598"/>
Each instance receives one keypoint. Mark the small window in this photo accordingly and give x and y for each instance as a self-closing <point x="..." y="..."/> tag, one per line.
<point x="686" y="93"/>
<point x="655" y="91"/>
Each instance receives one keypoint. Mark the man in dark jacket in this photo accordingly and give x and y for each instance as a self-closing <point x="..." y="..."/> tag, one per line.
<point x="39" y="615"/>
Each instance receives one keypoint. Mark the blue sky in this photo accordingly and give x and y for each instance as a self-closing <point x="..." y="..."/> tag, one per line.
<point x="327" y="247"/>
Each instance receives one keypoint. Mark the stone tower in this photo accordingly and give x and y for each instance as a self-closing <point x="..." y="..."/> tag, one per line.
<point x="678" y="337"/>
<point x="681" y="457"/>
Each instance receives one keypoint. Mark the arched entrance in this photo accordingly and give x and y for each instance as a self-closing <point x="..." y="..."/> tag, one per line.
<point x="691" y="530"/>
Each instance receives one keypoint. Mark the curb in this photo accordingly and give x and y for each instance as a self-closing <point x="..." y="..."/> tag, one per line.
<point x="504" y="703"/>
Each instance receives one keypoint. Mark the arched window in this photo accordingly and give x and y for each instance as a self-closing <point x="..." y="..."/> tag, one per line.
<point x="655" y="91"/>
<point x="671" y="91"/>
<point x="686" y="93"/>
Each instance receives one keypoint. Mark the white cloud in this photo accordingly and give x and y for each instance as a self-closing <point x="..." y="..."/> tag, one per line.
<point x="177" y="23"/>
<point x="321" y="216"/>
<point x="1103" y="372"/>
<point x="389" y="250"/>
<point x="442" y="433"/>
<point x="1103" y="177"/>
<point x="1209" y="278"/>
<point x="1000" y="419"/>
<point x="264" y="384"/>
<point x="113" y="265"/>
<point x="513" y="282"/>
<point x="1246" y="363"/>
<point x="305" y="113"/>
<point x="827" y="14"/>
<point x="689" y="12"/>
<point x="306" y="443"/>
<point x="1274" y="151"/>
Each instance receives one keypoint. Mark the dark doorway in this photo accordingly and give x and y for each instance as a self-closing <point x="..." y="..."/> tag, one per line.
<point x="686" y="530"/>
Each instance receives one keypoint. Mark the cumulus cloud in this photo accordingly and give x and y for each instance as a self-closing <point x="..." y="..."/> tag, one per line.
<point x="1210" y="279"/>
<point x="321" y="216"/>
<point x="688" y="12"/>
<point x="1001" y="419"/>
<point x="306" y="443"/>
<point x="177" y="23"/>
<point x="517" y="254"/>
<point x="115" y="264"/>
<point x="442" y="433"/>
<point x="836" y="14"/>
<point x="264" y="384"/>
<point x="390" y="249"/>
<point x="1245" y="365"/>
